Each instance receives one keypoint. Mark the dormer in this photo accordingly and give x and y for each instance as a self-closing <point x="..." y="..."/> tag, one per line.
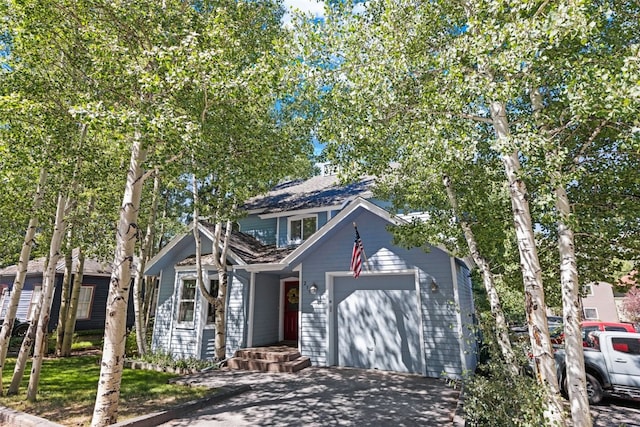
<point x="294" y="210"/>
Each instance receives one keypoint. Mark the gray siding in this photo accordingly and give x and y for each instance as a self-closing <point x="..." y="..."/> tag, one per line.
<point x="440" y="324"/>
<point x="167" y="337"/>
<point x="322" y="219"/>
<point x="208" y="348"/>
<point x="467" y="316"/>
<point x="266" y="310"/>
<point x="439" y="309"/>
<point x="162" y="322"/>
<point x="262" y="229"/>
<point x="30" y="282"/>
<point x="282" y="232"/>
<point x="237" y="310"/>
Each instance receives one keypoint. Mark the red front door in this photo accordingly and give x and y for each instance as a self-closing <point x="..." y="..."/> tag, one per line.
<point x="291" y="299"/>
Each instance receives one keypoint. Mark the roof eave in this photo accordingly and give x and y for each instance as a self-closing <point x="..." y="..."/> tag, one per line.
<point x="278" y="214"/>
<point x="168" y="248"/>
<point x="262" y="267"/>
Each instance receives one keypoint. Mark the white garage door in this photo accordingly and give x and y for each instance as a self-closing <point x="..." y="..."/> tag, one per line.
<point x="377" y="323"/>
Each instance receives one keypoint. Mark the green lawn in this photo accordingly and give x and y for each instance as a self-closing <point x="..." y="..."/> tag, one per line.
<point x="68" y="387"/>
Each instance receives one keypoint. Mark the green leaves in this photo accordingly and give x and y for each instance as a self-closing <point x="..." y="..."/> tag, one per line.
<point x="412" y="84"/>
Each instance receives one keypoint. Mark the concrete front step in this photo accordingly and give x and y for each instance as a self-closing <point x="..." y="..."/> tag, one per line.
<point x="273" y="353"/>
<point x="275" y="358"/>
<point x="264" y="365"/>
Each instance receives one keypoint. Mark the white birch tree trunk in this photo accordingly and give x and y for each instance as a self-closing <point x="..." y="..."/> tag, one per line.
<point x="220" y="256"/>
<point x="140" y="284"/>
<point x="65" y="294"/>
<point x="502" y="330"/>
<point x="574" y="354"/>
<point x="48" y="287"/>
<point x="570" y="289"/>
<point x="21" y="274"/>
<point x="72" y="312"/>
<point x="535" y="307"/>
<point x="106" y="407"/>
<point x="138" y="308"/>
<point x="149" y="297"/>
<point x="27" y="345"/>
<point x="198" y="242"/>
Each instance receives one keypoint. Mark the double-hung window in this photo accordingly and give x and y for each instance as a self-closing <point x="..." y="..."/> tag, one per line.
<point x="187" y="304"/>
<point x="302" y="227"/>
<point x="85" y="300"/>
<point x="4" y="299"/>
<point x="35" y="297"/>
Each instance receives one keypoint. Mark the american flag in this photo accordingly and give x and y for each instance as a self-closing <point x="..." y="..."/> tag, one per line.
<point x="356" y="256"/>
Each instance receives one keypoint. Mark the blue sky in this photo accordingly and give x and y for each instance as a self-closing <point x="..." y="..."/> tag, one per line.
<point x="312" y="6"/>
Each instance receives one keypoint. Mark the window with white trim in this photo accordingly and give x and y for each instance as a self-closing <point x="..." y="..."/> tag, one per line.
<point x="587" y="290"/>
<point x="85" y="302"/>
<point x="214" y="289"/>
<point x="590" y="313"/>
<point x="35" y="296"/>
<point x="302" y="227"/>
<point x="187" y="302"/>
<point x="4" y="300"/>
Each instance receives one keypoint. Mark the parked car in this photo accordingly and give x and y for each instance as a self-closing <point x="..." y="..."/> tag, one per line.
<point x="19" y="327"/>
<point x="588" y="326"/>
<point x="612" y="366"/>
<point x="554" y="321"/>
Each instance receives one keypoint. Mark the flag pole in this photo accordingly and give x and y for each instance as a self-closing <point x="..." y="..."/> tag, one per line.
<point x="364" y="254"/>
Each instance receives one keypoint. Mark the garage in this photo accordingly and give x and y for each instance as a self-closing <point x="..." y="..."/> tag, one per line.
<point x="377" y="323"/>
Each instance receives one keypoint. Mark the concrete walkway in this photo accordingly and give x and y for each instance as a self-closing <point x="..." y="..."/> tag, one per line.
<point x="325" y="397"/>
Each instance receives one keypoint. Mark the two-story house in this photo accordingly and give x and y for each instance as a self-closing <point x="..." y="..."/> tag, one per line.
<point x="290" y="280"/>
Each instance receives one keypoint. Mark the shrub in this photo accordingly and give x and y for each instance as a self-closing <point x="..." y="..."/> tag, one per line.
<point x="168" y="361"/>
<point x="496" y="397"/>
<point x="131" y="345"/>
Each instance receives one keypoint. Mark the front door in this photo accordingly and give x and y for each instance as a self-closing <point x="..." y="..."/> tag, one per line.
<point x="291" y="299"/>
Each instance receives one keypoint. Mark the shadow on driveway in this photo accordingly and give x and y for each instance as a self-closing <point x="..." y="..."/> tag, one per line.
<point x="324" y="397"/>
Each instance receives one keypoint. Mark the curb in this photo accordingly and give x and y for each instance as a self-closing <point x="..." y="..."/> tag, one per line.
<point x="152" y="420"/>
<point x="11" y="417"/>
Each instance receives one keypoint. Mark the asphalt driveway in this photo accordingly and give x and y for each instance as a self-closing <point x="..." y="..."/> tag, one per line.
<point x="325" y="397"/>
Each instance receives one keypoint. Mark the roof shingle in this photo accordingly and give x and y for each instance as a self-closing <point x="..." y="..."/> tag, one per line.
<point x="318" y="191"/>
<point x="247" y="247"/>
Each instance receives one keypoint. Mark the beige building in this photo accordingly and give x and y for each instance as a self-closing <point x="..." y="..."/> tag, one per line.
<point x="598" y="303"/>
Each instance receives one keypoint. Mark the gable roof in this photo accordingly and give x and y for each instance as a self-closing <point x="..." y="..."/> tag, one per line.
<point x="92" y="267"/>
<point x="242" y="246"/>
<point x="318" y="191"/>
<point x="249" y="253"/>
<point x="341" y="217"/>
<point x="292" y="257"/>
<point x="243" y="249"/>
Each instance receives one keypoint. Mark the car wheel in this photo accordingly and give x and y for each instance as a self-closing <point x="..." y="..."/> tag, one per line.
<point x="564" y="390"/>
<point x="21" y="330"/>
<point x="594" y="390"/>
